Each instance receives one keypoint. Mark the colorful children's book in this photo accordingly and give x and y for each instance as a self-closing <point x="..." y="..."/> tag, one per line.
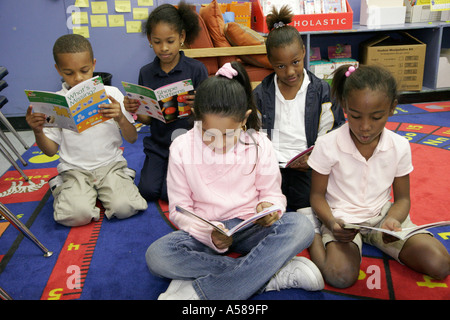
<point x="77" y="110"/>
<point x="404" y="233"/>
<point x="298" y="159"/>
<point x="238" y="227"/>
<point x="309" y="7"/>
<point x="332" y="6"/>
<point x="166" y="103"/>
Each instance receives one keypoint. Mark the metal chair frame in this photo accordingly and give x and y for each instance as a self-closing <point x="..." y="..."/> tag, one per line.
<point x="3" y="150"/>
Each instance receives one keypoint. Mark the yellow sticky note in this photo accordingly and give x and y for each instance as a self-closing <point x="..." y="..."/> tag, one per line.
<point x="134" y="26"/>
<point x="84" y="31"/>
<point x="116" y="20"/>
<point x="98" y="20"/>
<point x="82" y="3"/>
<point x="145" y="3"/>
<point x="123" y="6"/>
<point x="99" y="7"/>
<point x="140" y="13"/>
<point x="80" y="18"/>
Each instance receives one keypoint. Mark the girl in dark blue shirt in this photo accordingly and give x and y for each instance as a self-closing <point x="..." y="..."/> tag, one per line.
<point x="167" y="29"/>
<point x="295" y="105"/>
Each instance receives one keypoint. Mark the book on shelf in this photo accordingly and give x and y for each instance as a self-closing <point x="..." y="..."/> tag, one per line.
<point x="167" y="103"/>
<point x="404" y="233"/>
<point x="77" y="110"/>
<point x="239" y="226"/>
<point x="333" y="6"/>
<point x="299" y="158"/>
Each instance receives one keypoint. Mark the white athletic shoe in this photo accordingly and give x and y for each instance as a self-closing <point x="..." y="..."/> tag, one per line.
<point x="179" y="290"/>
<point x="299" y="273"/>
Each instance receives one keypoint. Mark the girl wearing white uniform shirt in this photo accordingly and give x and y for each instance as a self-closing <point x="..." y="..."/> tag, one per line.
<point x="354" y="168"/>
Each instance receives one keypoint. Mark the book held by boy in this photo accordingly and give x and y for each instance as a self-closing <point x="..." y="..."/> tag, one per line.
<point x="238" y="227"/>
<point x="298" y="159"/>
<point x="77" y="110"/>
<point x="404" y="233"/>
<point x="166" y="103"/>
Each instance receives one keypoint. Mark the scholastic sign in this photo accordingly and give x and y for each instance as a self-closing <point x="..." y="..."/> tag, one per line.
<point x="319" y="22"/>
<point x="306" y="22"/>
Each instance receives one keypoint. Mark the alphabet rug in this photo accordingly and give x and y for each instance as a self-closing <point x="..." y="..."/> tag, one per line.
<point x="105" y="260"/>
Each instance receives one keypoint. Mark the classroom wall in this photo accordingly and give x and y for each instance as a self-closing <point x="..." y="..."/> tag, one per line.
<point x="28" y="30"/>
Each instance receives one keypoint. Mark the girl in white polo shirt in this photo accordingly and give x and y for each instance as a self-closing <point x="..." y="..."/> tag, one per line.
<point x="354" y="168"/>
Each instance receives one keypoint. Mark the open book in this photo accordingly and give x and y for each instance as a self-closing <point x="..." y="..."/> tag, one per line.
<point x="404" y="233"/>
<point x="295" y="161"/>
<point x="238" y="227"/>
<point x="166" y="103"/>
<point x="77" y="110"/>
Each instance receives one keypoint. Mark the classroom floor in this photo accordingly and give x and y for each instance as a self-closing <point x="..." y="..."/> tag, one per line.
<point x="111" y="252"/>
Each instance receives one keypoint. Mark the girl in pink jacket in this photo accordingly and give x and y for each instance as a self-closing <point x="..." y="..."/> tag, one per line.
<point x="225" y="171"/>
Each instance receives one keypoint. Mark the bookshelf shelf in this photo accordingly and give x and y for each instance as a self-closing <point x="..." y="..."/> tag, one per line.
<point x="436" y="35"/>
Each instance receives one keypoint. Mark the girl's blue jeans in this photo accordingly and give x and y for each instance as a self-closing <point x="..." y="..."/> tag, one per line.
<point x="264" y="250"/>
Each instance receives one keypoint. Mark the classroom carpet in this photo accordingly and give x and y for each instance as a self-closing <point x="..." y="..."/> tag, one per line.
<point x="105" y="260"/>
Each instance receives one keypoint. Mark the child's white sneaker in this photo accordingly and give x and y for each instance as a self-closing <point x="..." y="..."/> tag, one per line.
<point x="179" y="290"/>
<point x="299" y="273"/>
<point x="309" y="213"/>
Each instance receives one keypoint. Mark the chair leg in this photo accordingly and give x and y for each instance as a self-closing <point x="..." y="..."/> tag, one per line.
<point x="11" y="147"/>
<point x="13" y="163"/>
<point x="21" y="227"/>
<point x="4" y="295"/>
<point x="11" y="129"/>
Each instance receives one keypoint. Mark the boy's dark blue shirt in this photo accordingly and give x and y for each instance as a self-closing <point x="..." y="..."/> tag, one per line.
<point x="152" y="76"/>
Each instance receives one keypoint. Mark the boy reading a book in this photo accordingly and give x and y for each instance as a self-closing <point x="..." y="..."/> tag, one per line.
<point x="91" y="164"/>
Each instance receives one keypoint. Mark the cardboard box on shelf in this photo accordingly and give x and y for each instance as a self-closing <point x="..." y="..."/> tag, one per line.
<point x="400" y="53"/>
<point x="375" y="13"/>
<point x="306" y="22"/>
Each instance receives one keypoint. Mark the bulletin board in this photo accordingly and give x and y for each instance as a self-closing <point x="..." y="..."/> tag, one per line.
<point x="115" y="29"/>
<point x="125" y="15"/>
<point x="28" y="30"/>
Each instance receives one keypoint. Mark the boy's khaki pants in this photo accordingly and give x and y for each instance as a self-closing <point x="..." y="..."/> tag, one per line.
<point x="75" y="199"/>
